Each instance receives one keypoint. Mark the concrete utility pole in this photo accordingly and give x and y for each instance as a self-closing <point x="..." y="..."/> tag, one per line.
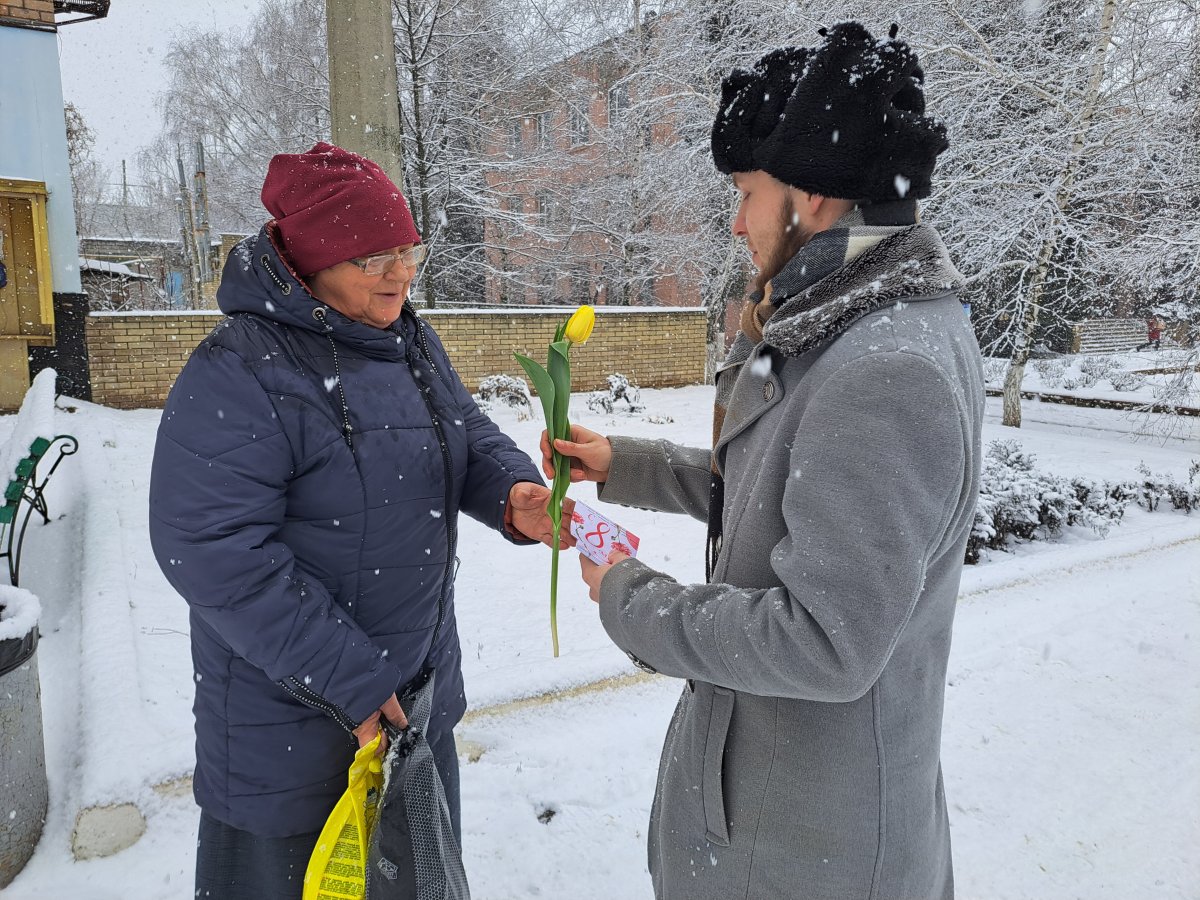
<point x="203" y="232"/>
<point x="362" y="81"/>
<point x="187" y="231"/>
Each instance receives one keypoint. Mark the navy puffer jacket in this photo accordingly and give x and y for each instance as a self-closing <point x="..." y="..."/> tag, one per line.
<point x="307" y="480"/>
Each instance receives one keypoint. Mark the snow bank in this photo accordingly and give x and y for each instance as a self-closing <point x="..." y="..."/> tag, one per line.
<point x="35" y="419"/>
<point x="1159" y="376"/>
<point x="19" y="612"/>
<point x="120" y="748"/>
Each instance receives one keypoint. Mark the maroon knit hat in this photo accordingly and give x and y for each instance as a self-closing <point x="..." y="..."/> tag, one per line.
<point x="331" y="205"/>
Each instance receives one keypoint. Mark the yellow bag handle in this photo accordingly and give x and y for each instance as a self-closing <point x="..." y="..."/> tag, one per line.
<point x="337" y="869"/>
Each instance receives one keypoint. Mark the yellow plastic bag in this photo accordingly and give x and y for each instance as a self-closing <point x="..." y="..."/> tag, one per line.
<point x="337" y="869"/>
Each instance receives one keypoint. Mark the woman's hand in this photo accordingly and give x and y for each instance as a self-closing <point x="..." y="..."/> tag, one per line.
<point x="594" y="574"/>
<point x="526" y="514"/>
<point x="590" y="454"/>
<point x="392" y="712"/>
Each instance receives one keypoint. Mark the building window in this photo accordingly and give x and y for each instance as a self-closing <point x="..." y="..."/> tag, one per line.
<point x="581" y="128"/>
<point x="514" y="134"/>
<point x="581" y="284"/>
<point x="547" y="285"/>
<point x="548" y="208"/>
<point x="542" y="121"/>
<point x="613" y="285"/>
<point x="645" y="293"/>
<point x="618" y="102"/>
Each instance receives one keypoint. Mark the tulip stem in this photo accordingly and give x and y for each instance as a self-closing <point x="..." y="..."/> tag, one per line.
<point x="554" y="598"/>
<point x="562" y="473"/>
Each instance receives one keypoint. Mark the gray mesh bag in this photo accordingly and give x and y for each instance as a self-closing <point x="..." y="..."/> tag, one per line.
<point x="413" y="854"/>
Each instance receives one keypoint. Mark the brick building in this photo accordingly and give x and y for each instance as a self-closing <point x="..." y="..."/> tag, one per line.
<point x="573" y="223"/>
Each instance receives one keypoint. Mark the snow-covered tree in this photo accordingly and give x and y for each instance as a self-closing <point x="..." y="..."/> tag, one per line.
<point x="453" y="58"/>
<point x="247" y="96"/>
<point x="87" y="175"/>
<point x="1054" y="194"/>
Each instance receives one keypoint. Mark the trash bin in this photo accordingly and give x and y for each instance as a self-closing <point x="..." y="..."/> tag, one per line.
<point x="23" y="796"/>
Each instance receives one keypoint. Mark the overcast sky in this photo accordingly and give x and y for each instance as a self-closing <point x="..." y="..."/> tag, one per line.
<point x="112" y="69"/>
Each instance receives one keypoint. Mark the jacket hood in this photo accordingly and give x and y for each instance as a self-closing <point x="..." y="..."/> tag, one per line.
<point x="258" y="280"/>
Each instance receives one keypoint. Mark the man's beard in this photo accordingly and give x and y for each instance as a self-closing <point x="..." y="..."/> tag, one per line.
<point x="790" y="238"/>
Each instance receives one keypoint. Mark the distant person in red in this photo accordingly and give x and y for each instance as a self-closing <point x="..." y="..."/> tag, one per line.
<point x="1154" y="327"/>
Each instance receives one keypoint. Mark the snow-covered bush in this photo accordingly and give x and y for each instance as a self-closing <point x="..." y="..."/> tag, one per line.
<point x="1099" y="504"/>
<point x="506" y="389"/>
<point x="1086" y="376"/>
<point x="1127" y="381"/>
<point x="619" y="388"/>
<point x="1052" y="371"/>
<point x="1017" y="501"/>
<point x="1092" y="369"/>
<point x="1097" y="367"/>
<point x="994" y="369"/>
<point x="1156" y="487"/>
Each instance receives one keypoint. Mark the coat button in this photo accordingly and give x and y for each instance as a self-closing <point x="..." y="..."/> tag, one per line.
<point x="768" y="390"/>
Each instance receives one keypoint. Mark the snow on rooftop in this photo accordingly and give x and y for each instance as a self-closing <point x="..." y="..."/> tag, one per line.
<point x="116" y="270"/>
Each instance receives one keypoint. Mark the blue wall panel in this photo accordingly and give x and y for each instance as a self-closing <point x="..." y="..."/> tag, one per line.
<point x="33" y="138"/>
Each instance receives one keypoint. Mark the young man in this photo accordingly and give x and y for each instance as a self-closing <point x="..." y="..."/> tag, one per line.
<point x="803" y="758"/>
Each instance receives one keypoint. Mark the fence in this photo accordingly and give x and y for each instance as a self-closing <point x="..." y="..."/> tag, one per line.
<point x="135" y="357"/>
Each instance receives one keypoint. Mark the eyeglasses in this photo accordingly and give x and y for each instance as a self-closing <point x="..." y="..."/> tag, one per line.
<point x="377" y="265"/>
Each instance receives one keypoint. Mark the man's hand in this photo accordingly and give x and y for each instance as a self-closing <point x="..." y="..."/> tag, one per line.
<point x="590" y="454"/>
<point x="527" y="514"/>
<point x="594" y="574"/>
<point x="392" y="712"/>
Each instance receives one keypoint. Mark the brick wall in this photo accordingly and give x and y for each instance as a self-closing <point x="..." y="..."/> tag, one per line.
<point x="135" y="357"/>
<point x="32" y="12"/>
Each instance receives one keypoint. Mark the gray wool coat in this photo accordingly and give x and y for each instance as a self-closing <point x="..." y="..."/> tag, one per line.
<point x="803" y="758"/>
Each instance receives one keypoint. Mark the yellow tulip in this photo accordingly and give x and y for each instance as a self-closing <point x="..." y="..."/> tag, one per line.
<point x="580" y="325"/>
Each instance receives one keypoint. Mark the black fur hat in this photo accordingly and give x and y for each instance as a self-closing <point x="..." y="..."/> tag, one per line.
<point x="843" y="119"/>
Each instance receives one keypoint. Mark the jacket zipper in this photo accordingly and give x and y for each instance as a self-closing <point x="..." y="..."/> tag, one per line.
<point x="311" y="698"/>
<point x="448" y="467"/>
<point x="291" y="684"/>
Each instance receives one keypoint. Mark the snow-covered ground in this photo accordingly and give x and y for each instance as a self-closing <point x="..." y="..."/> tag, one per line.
<point x="1070" y="752"/>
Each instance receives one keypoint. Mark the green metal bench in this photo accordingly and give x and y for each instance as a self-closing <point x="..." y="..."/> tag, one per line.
<point x="25" y="494"/>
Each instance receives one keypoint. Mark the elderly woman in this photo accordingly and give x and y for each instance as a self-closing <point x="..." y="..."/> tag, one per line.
<point x="312" y="461"/>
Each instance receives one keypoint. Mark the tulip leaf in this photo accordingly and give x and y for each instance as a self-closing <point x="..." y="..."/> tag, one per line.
<point x="543" y="384"/>
<point x="559" y="364"/>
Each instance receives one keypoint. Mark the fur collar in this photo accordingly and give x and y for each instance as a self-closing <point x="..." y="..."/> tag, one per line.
<point x="909" y="265"/>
